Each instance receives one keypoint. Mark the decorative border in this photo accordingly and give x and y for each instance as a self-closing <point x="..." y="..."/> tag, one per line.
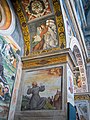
<point x="24" y="27"/>
<point x="60" y="23"/>
<point x="27" y="64"/>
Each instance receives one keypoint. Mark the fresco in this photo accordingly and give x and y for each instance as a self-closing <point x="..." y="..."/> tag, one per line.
<point x="77" y="82"/>
<point x="68" y="29"/>
<point x="42" y="26"/>
<point x="42" y="89"/>
<point x="8" y="67"/>
<point x="70" y="86"/>
<point x="9" y="24"/>
<point x="82" y="110"/>
<point x="80" y="73"/>
<point x="35" y="9"/>
<point x="44" y="35"/>
<point x="15" y="91"/>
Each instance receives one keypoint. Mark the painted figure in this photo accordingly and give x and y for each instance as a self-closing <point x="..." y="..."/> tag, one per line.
<point x="6" y="96"/>
<point x="71" y="85"/>
<point x="79" y="82"/>
<point x="36" y="102"/>
<point x="2" y="78"/>
<point x="7" y="50"/>
<point x="1" y="90"/>
<point x="57" y="100"/>
<point x="46" y="36"/>
<point x="4" y="93"/>
<point x="50" y="40"/>
<point x="38" y="40"/>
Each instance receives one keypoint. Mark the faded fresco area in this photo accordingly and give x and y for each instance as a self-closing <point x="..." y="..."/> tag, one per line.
<point x="42" y="90"/>
<point x="8" y="67"/>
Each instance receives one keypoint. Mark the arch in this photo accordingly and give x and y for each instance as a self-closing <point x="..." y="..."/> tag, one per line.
<point x="82" y="79"/>
<point x="7" y="25"/>
<point x="2" y="16"/>
<point x="74" y="42"/>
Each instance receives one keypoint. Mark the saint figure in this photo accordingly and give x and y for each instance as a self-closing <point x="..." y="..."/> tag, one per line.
<point x="36" y="102"/>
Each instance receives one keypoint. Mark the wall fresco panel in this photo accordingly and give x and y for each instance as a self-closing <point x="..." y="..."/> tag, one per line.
<point x="42" y="26"/>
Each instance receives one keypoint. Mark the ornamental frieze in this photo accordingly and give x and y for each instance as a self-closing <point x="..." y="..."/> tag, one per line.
<point x="27" y="64"/>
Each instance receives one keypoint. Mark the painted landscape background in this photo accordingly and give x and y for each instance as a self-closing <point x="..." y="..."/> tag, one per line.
<point x="51" y="79"/>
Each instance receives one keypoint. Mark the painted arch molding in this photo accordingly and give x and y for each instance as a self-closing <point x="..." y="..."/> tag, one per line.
<point x="7" y="18"/>
<point x="76" y="49"/>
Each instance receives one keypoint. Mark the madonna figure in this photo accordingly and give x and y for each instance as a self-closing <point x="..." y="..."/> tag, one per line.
<point x="36" y="102"/>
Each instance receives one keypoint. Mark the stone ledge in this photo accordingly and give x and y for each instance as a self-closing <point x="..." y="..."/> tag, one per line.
<point x="40" y="115"/>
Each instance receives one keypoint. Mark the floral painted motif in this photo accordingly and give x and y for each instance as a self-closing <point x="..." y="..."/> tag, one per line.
<point x="36" y="8"/>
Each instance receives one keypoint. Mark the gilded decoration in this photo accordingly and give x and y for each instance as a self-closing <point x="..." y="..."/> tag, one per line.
<point x="42" y="26"/>
<point x="60" y="24"/>
<point x="82" y="97"/>
<point x="27" y="64"/>
<point x="24" y="27"/>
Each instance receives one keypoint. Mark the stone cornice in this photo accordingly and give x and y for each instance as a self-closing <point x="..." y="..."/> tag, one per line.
<point x="60" y="57"/>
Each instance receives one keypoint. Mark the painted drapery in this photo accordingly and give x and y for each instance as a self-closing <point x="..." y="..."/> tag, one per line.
<point x="42" y="26"/>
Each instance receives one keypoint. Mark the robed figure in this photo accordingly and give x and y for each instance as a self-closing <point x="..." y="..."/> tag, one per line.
<point x="36" y="102"/>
